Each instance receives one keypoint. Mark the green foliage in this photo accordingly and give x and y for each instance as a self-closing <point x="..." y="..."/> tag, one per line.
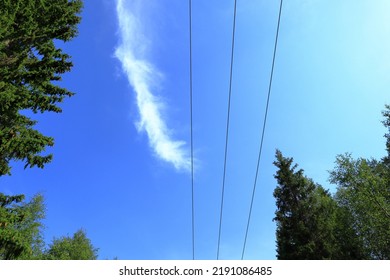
<point x="364" y="193"/>
<point x="352" y="224"/>
<point x="21" y="235"/>
<point x="30" y="66"/>
<point x="349" y="245"/>
<point x="78" y="247"/>
<point x="20" y="226"/>
<point x="305" y="214"/>
<point x="386" y="123"/>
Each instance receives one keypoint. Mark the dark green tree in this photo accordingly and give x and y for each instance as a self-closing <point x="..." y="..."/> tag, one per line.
<point x="78" y="247"/>
<point x="305" y="214"/>
<point x="21" y="227"/>
<point x="30" y="67"/>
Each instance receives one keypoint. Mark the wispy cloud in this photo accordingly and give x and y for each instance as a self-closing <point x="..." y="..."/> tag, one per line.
<point x="143" y="77"/>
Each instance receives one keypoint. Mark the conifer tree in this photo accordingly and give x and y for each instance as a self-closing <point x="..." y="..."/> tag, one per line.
<point x="30" y="67"/>
<point x="305" y="214"/>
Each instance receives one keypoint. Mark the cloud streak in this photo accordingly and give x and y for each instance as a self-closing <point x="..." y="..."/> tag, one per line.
<point x="144" y="79"/>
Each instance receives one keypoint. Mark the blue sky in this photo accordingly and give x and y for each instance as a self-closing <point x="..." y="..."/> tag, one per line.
<point x="121" y="154"/>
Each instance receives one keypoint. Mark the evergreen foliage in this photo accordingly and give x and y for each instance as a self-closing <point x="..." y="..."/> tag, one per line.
<point x="305" y="214"/>
<point x="30" y="67"/>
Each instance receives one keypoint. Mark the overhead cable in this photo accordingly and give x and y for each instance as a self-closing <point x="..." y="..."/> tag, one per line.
<point x="264" y="126"/>
<point x="227" y="127"/>
<point x="192" y="146"/>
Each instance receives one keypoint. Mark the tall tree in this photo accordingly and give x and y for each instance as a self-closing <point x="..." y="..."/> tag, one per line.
<point x="305" y="214"/>
<point x="30" y="66"/>
<point x="78" y="247"/>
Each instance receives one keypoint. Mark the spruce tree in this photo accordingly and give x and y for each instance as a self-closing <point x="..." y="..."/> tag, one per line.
<point x="305" y="214"/>
<point x="30" y="67"/>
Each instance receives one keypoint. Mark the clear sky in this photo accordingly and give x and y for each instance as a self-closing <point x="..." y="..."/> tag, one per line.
<point x="121" y="154"/>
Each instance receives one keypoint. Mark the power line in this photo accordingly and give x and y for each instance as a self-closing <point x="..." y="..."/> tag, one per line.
<point x="192" y="146"/>
<point x="227" y="126"/>
<point x="263" y="132"/>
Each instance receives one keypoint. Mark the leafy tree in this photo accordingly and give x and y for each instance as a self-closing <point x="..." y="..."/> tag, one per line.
<point x="21" y="233"/>
<point x="349" y="245"/>
<point x="21" y="226"/>
<point x="364" y="194"/>
<point x="305" y="214"/>
<point x="78" y="247"/>
<point x="30" y="66"/>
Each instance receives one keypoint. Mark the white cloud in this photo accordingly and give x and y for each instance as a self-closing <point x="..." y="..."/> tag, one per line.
<point x="144" y="77"/>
